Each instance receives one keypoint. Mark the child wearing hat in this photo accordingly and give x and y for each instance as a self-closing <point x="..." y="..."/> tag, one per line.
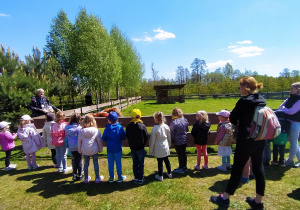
<point x="137" y="136"/>
<point x="113" y="135"/>
<point x="224" y="139"/>
<point x="7" y="144"/>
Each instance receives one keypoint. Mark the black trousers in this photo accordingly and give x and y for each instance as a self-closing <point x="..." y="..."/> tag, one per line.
<point x="278" y="148"/>
<point x="7" y="158"/>
<point x="181" y="151"/>
<point x="53" y="156"/>
<point x="244" y="149"/>
<point x="160" y="165"/>
<point x="77" y="165"/>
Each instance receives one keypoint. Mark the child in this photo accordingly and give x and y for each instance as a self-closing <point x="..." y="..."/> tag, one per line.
<point x="57" y="139"/>
<point x="224" y="139"/>
<point x="113" y="135"/>
<point x="159" y="145"/>
<point x="7" y="144"/>
<point x="179" y="127"/>
<point x="200" y="133"/>
<point x="47" y="136"/>
<point x="137" y="136"/>
<point x="31" y="141"/>
<point x="72" y="131"/>
<point x="89" y="144"/>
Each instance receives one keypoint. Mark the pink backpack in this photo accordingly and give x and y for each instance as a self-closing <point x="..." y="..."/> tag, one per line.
<point x="58" y="134"/>
<point x="265" y="124"/>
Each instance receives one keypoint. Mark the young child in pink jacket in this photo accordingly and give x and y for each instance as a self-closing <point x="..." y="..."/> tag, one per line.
<point x="7" y="144"/>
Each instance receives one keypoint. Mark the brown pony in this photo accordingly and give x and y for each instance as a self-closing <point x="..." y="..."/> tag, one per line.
<point x="106" y="112"/>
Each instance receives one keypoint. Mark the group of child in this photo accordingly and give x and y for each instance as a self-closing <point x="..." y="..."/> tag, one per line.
<point x="82" y="138"/>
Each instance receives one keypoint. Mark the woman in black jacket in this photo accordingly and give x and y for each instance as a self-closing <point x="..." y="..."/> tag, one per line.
<point x="246" y="147"/>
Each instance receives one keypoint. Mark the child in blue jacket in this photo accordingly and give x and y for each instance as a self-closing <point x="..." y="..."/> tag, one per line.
<point x="113" y="134"/>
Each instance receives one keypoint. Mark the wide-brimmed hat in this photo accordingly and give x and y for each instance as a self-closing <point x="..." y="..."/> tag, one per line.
<point x="223" y="113"/>
<point x="136" y="113"/>
<point x="3" y="124"/>
<point x="26" y="117"/>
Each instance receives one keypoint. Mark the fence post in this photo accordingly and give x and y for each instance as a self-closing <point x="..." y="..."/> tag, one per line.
<point x="81" y="107"/>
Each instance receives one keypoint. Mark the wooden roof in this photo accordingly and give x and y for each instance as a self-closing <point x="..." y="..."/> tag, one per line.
<point x="168" y="87"/>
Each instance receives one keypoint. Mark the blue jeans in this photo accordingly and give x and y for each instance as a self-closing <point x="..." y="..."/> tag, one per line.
<point x="87" y="163"/>
<point x="293" y="139"/>
<point x="225" y="160"/>
<point x="138" y="157"/>
<point x="112" y="158"/>
<point x="61" y="157"/>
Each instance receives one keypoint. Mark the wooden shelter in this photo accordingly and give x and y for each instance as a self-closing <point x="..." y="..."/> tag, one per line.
<point x="167" y="93"/>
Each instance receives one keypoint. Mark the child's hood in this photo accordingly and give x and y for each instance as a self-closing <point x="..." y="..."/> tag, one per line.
<point x="49" y="122"/>
<point x="89" y="132"/>
<point x="205" y="125"/>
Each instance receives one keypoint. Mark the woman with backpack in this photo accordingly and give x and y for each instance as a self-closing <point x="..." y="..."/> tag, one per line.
<point x="291" y="107"/>
<point x="246" y="147"/>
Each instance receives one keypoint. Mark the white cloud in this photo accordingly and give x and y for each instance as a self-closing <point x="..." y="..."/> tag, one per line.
<point x="4" y="15"/>
<point x="245" y="42"/>
<point x="220" y="63"/>
<point x="232" y="46"/>
<point x="250" y="51"/>
<point x="160" y="35"/>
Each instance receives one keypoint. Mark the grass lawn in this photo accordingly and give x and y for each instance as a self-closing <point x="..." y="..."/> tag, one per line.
<point x="44" y="188"/>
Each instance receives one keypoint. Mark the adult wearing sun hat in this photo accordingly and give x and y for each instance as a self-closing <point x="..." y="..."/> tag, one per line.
<point x="137" y="136"/>
<point x="291" y="107"/>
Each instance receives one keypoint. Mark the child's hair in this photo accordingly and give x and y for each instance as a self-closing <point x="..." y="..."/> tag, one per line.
<point x="22" y="123"/>
<point x="75" y="118"/>
<point x="89" y="121"/>
<point x="177" y="112"/>
<point x="159" y="116"/>
<point x="60" y="115"/>
<point x="203" y="116"/>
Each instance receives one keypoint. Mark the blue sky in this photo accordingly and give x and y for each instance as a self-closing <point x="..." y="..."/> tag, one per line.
<point x="257" y="35"/>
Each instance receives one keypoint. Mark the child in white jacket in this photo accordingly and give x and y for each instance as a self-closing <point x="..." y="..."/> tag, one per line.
<point x="47" y="136"/>
<point x="89" y="144"/>
<point x="159" y="145"/>
<point x="31" y="140"/>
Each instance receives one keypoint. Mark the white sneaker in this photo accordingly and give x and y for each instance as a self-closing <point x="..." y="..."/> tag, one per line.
<point x="222" y="168"/>
<point x="10" y="167"/>
<point x="297" y="165"/>
<point x="121" y="179"/>
<point x="67" y="170"/>
<point x="35" y="167"/>
<point x="159" y="178"/>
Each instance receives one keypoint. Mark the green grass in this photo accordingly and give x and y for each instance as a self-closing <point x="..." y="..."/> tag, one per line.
<point x="190" y="106"/>
<point x="44" y="188"/>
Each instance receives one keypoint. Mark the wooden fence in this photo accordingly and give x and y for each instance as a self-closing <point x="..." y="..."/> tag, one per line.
<point x="149" y="122"/>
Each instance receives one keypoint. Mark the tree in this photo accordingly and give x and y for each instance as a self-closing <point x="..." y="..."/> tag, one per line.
<point x="295" y="73"/>
<point x="154" y="73"/>
<point x="187" y="75"/>
<point x="198" y="70"/>
<point x="180" y="75"/>
<point x="228" y="70"/>
<point x="285" y="73"/>
<point x="8" y="61"/>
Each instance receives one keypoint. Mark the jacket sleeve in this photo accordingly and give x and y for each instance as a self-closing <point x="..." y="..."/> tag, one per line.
<point x="104" y="136"/>
<point x="220" y="135"/>
<point x="294" y="109"/>
<point x="44" y="136"/>
<point x="172" y="130"/>
<point x="49" y="104"/>
<point x="169" y="137"/>
<point x="145" y="134"/>
<point x="236" y="113"/>
<point x="10" y="137"/>
<point x="99" y="141"/>
<point x="152" y="142"/>
<point x="123" y="134"/>
<point x="194" y="130"/>
<point x="33" y="106"/>
<point x="187" y="125"/>
<point x="79" y="142"/>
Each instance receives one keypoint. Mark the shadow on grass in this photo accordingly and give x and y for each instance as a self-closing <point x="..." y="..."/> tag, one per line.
<point x="53" y="184"/>
<point x="203" y="173"/>
<point x="295" y="194"/>
<point x="275" y="173"/>
<point x="23" y="171"/>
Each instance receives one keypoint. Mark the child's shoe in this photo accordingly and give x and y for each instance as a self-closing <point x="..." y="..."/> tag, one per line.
<point x="139" y="181"/>
<point x="74" y="177"/>
<point x="253" y="204"/>
<point x="178" y="170"/>
<point x="35" y="167"/>
<point x="222" y="168"/>
<point x="197" y="167"/>
<point x="60" y="170"/>
<point x="121" y="179"/>
<point x="244" y="179"/>
<point x="79" y="177"/>
<point x="297" y="165"/>
<point x="111" y="180"/>
<point x="29" y="168"/>
<point x="185" y="169"/>
<point x="99" y="179"/>
<point x="10" y="167"/>
<point x="159" y="178"/>
<point x="220" y="201"/>
<point x="281" y="164"/>
<point x="289" y="162"/>
<point x="169" y="175"/>
<point x="55" y="166"/>
<point x="67" y="170"/>
<point x="228" y="165"/>
<point x="274" y="163"/>
<point x="205" y="166"/>
<point x="86" y="180"/>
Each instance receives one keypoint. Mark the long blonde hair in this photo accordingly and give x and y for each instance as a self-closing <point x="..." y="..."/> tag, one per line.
<point x="159" y="116"/>
<point x="60" y="115"/>
<point x="203" y="116"/>
<point x="89" y="121"/>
